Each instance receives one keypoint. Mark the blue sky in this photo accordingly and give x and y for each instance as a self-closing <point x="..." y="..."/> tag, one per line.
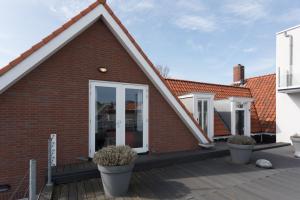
<point x="197" y="39"/>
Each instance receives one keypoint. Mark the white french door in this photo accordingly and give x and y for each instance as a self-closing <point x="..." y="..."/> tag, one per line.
<point x="202" y="117"/>
<point x="118" y="115"/>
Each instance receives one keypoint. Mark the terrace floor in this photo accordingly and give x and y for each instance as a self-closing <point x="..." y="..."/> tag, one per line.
<point x="212" y="179"/>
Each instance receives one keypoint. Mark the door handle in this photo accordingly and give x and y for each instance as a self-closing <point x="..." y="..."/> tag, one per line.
<point x="118" y="123"/>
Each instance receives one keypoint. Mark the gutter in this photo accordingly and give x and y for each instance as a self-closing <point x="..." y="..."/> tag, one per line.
<point x="290" y="72"/>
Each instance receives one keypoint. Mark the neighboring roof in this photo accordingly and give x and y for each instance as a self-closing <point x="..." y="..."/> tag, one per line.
<point x="30" y="59"/>
<point x="220" y="129"/>
<point x="263" y="89"/>
<point x="181" y="87"/>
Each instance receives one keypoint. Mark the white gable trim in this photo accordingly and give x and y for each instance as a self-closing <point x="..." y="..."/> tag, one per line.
<point x="32" y="61"/>
<point x="59" y="41"/>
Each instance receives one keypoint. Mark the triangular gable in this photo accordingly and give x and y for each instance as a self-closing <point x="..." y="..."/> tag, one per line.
<point x="51" y="44"/>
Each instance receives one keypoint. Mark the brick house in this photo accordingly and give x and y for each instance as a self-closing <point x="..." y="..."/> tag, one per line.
<point x="91" y="85"/>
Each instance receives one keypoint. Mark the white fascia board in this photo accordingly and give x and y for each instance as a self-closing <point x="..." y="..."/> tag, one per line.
<point x="197" y="94"/>
<point x="288" y="29"/>
<point x="240" y="99"/>
<point x="32" y="61"/>
<point x="186" y="96"/>
<point x="151" y="74"/>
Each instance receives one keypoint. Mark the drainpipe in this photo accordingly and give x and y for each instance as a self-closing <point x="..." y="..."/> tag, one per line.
<point x="290" y="72"/>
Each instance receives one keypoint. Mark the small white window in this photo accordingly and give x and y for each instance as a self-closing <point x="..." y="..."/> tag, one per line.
<point x="201" y="105"/>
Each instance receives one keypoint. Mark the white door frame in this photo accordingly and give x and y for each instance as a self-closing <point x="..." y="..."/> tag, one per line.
<point x="209" y="97"/>
<point x="120" y="112"/>
<point x="247" y="114"/>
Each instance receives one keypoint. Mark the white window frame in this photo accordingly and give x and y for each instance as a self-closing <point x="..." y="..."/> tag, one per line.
<point x="210" y="109"/>
<point x="209" y="97"/>
<point x="247" y="114"/>
<point x="120" y="112"/>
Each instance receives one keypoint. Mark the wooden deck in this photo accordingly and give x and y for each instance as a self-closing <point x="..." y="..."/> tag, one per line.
<point x="87" y="169"/>
<point x="213" y="179"/>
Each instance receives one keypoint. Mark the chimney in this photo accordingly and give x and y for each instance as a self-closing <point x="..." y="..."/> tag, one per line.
<point x="239" y="74"/>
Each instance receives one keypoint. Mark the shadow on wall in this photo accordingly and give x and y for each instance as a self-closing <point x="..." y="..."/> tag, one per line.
<point x="295" y="97"/>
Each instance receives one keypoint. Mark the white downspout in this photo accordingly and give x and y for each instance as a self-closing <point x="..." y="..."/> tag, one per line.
<point x="290" y="72"/>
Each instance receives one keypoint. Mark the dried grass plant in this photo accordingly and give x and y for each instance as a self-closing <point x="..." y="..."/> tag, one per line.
<point x="115" y="156"/>
<point x="241" y="140"/>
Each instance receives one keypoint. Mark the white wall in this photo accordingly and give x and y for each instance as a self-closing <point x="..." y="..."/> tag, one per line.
<point x="287" y="105"/>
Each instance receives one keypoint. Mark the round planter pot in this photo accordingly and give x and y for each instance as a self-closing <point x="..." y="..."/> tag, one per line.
<point x="296" y="145"/>
<point x="115" y="179"/>
<point x="240" y="154"/>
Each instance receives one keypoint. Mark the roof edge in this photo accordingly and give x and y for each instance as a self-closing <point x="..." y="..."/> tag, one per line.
<point x="261" y="76"/>
<point x="198" y="82"/>
<point x="32" y="57"/>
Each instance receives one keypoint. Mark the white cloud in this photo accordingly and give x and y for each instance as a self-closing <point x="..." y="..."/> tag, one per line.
<point x="247" y="11"/>
<point x="132" y="5"/>
<point x="249" y="50"/>
<point x="196" y="23"/>
<point x="194" y="45"/>
<point x="293" y="15"/>
<point x="67" y="8"/>
<point x="261" y="65"/>
<point x="191" y="5"/>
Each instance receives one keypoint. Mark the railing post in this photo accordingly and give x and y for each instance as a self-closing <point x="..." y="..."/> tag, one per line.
<point x="49" y="182"/>
<point x="32" y="180"/>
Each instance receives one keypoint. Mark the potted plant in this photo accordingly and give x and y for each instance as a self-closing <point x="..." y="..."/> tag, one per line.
<point x="115" y="164"/>
<point x="296" y="144"/>
<point x="241" y="148"/>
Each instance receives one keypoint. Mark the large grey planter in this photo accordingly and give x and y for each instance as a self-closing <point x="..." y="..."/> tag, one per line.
<point x="240" y="154"/>
<point x="115" y="179"/>
<point x="296" y="145"/>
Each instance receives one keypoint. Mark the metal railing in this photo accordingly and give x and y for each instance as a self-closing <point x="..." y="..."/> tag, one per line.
<point x="287" y="79"/>
<point x="30" y="175"/>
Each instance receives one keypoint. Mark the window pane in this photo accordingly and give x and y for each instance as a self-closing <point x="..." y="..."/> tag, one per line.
<point x="200" y="112"/>
<point x="239" y="115"/>
<point x="205" y="116"/>
<point x="134" y="117"/>
<point x="105" y="129"/>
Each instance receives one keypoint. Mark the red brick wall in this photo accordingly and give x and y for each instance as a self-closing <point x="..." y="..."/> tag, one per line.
<point x="239" y="74"/>
<point x="54" y="98"/>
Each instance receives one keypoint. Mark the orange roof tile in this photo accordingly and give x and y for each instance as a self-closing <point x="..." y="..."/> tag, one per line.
<point x="181" y="87"/>
<point x="220" y="128"/>
<point x="263" y="89"/>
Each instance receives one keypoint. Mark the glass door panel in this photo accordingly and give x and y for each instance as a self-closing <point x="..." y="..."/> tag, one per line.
<point x="205" y="117"/>
<point x="240" y="122"/>
<point x="118" y="116"/>
<point x="203" y="114"/>
<point x="134" y="117"/>
<point x="105" y="117"/>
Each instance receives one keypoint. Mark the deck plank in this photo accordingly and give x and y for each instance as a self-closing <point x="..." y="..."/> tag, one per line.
<point x="80" y="190"/>
<point x="205" y="180"/>
<point x="72" y="187"/>
<point x="64" y="192"/>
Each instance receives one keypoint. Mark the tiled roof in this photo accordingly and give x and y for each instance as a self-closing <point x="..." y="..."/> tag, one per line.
<point x="181" y="87"/>
<point x="220" y="128"/>
<point x="263" y="89"/>
<point x="50" y="37"/>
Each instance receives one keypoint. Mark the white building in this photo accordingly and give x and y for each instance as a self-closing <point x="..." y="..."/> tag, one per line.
<point x="288" y="83"/>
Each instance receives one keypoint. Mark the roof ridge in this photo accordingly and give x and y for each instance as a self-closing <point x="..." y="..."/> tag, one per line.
<point x="260" y="76"/>
<point x="216" y="84"/>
